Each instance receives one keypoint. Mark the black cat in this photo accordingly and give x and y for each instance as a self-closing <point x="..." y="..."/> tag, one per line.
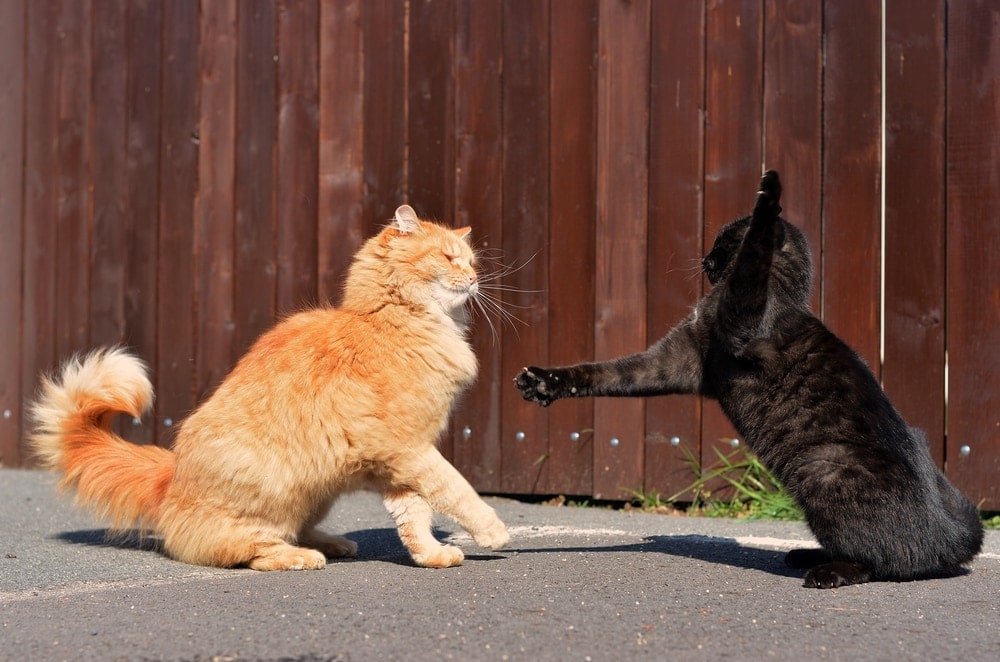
<point x="806" y="405"/>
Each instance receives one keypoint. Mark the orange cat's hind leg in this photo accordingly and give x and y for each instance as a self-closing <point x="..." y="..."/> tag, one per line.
<point x="279" y="555"/>
<point x="217" y="539"/>
<point x="413" y="518"/>
<point x="330" y="545"/>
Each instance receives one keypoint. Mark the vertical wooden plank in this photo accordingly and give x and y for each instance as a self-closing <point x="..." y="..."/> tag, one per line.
<point x="430" y="154"/>
<point x="384" y="108"/>
<point x="142" y="200"/>
<point x="676" y="162"/>
<point x="572" y="217"/>
<point x="297" y="153"/>
<point x="214" y="205"/>
<point x="478" y="158"/>
<point x="733" y="148"/>
<point x="913" y="369"/>
<point x="621" y="235"/>
<point x="430" y="109"/>
<point x="108" y="257"/>
<point x="174" y="370"/>
<point x="341" y="149"/>
<point x="13" y="31"/>
<point x="72" y="256"/>
<point x="254" y="281"/>
<point x="851" y="164"/>
<point x="793" y="124"/>
<point x="973" y="238"/>
<point x="40" y="198"/>
<point x="523" y="429"/>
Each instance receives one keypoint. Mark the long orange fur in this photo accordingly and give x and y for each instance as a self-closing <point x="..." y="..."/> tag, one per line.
<point x="326" y="402"/>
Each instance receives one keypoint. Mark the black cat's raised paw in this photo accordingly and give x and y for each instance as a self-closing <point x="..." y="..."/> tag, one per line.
<point x="769" y="194"/>
<point x="538" y="385"/>
<point x="836" y="574"/>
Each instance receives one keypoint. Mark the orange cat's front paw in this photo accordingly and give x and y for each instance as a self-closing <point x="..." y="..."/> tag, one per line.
<point x="494" y="536"/>
<point x="444" y="556"/>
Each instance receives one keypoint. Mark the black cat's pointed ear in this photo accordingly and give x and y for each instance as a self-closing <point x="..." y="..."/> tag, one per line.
<point x="405" y="220"/>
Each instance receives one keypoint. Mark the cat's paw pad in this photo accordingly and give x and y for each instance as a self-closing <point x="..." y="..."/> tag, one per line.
<point x="837" y="574"/>
<point x="537" y="385"/>
<point x="442" y="556"/>
<point x="493" y="537"/>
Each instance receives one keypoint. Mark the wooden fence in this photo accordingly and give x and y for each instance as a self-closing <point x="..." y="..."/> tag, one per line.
<point x="174" y="175"/>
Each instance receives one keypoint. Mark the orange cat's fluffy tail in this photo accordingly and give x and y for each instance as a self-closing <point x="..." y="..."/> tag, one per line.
<point x="123" y="481"/>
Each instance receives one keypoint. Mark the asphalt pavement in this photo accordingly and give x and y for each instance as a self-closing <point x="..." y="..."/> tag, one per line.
<point x="574" y="584"/>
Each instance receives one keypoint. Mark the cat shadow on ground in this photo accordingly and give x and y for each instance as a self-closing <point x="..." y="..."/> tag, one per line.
<point x="114" y="539"/>
<point x="722" y="551"/>
<point x="373" y="544"/>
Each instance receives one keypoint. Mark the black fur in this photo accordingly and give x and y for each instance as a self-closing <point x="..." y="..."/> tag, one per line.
<point x="806" y="405"/>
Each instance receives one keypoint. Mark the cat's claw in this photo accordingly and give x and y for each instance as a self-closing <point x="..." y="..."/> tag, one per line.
<point x="837" y="574"/>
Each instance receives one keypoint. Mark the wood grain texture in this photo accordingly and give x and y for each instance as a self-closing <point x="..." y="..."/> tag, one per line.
<point x="973" y="240"/>
<point x="914" y="280"/>
<point x="676" y="206"/>
<point x="13" y="33"/>
<point x="621" y="235"/>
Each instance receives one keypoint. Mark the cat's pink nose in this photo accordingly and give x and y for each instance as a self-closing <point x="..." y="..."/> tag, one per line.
<point x="473" y="278"/>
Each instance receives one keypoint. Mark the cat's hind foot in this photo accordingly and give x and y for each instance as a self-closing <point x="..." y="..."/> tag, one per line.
<point x="282" y="556"/>
<point x="836" y="574"/>
<point x="806" y="557"/>
<point x="333" y="547"/>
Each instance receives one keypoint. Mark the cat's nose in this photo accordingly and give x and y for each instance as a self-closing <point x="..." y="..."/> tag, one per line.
<point x="473" y="278"/>
<point x="708" y="264"/>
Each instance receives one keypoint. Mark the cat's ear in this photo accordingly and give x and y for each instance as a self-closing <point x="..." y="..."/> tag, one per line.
<point x="406" y="220"/>
<point x="463" y="233"/>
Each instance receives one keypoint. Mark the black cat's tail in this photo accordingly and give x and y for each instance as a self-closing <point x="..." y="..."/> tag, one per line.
<point x="769" y="195"/>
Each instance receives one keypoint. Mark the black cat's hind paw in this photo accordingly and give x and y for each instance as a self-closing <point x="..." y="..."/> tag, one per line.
<point x="807" y="557"/>
<point x="837" y="574"/>
<point x="537" y="385"/>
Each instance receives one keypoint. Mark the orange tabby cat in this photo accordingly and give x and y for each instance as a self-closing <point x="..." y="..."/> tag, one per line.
<point x="328" y="401"/>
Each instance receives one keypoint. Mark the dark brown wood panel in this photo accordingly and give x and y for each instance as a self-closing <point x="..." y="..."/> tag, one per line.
<point x="341" y="146"/>
<point x="384" y="23"/>
<point x="255" y="260"/>
<point x="793" y="111"/>
<point x="851" y="185"/>
<point x="430" y="163"/>
<point x="41" y="158"/>
<point x="972" y="455"/>
<point x="733" y="150"/>
<point x="478" y="203"/>
<point x="13" y="32"/>
<point x="174" y="372"/>
<point x="676" y="165"/>
<point x="108" y="256"/>
<point x="72" y="264"/>
<point x="213" y="219"/>
<point x="525" y="200"/>
<point x="621" y="236"/>
<point x="142" y="197"/>
<point x="297" y="153"/>
<point x="913" y="369"/>
<point x="572" y="215"/>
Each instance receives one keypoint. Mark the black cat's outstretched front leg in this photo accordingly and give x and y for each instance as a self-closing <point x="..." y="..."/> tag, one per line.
<point x="672" y="365"/>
